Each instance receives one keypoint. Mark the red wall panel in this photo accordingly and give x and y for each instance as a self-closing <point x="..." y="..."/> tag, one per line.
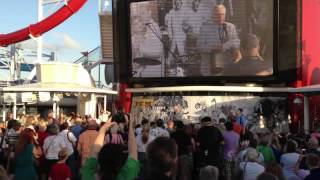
<point x="310" y="42"/>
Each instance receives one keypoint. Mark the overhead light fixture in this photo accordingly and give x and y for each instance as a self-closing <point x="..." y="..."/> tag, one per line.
<point x="251" y="85"/>
<point x="289" y="119"/>
<point x="297" y="100"/>
<point x="261" y="123"/>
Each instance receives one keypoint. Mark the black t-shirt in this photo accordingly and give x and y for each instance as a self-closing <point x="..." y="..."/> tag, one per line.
<point x="314" y="174"/>
<point x="183" y="141"/>
<point x="10" y="123"/>
<point x="210" y="139"/>
<point x="248" y="66"/>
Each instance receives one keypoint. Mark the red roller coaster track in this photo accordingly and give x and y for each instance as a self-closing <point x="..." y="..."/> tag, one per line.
<point x="35" y="30"/>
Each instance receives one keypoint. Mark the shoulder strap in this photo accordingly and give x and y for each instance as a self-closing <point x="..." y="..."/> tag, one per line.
<point x="244" y="170"/>
<point x="110" y="137"/>
<point x="69" y="137"/>
<point x="50" y="144"/>
<point x="2" y="140"/>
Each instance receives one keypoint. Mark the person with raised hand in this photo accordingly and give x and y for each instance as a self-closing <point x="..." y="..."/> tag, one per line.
<point x="115" y="162"/>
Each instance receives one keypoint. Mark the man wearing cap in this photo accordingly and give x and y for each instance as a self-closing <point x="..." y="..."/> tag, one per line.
<point x="86" y="140"/>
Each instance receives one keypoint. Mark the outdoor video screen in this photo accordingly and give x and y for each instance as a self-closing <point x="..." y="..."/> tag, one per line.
<point x="194" y="38"/>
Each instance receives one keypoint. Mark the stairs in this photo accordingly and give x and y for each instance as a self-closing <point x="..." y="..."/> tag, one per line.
<point x="4" y="84"/>
<point x="106" y="34"/>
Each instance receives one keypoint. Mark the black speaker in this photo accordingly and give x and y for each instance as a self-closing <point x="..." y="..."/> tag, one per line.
<point x="287" y="50"/>
<point x="121" y="34"/>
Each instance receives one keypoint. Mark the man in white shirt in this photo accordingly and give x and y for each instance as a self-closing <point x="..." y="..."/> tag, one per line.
<point x="173" y="21"/>
<point x="159" y="131"/>
<point x="71" y="142"/>
<point x="52" y="145"/>
<point x="68" y="137"/>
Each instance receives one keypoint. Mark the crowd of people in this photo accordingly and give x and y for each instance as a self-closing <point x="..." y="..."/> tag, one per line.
<point x="74" y="147"/>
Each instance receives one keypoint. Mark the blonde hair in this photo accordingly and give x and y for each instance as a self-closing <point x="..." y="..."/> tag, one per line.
<point x="42" y="125"/>
<point x="145" y="133"/>
<point x="78" y="121"/>
<point x="63" y="154"/>
<point x="30" y="120"/>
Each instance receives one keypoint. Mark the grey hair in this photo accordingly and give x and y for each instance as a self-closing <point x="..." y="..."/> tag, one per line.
<point x="252" y="155"/>
<point x="209" y="173"/>
<point x="220" y="6"/>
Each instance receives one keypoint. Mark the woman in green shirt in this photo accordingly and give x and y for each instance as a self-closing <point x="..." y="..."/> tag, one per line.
<point x="114" y="163"/>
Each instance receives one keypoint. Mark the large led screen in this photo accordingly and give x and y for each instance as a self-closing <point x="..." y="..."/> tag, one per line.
<point x="194" y="38"/>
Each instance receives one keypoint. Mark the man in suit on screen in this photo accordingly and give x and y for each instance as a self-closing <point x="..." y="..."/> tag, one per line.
<point x="218" y="42"/>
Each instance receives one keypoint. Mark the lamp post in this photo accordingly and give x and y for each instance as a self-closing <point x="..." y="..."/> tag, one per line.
<point x="306" y="114"/>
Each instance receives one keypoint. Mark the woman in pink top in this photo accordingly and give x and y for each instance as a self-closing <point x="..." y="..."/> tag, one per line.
<point x="114" y="136"/>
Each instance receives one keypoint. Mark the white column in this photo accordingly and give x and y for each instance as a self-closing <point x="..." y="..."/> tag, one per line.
<point x="3" y="113"/>
<point x="15" y="109"/>
<point x="54" y="108"/>
<point x="58" y="110"/>
<point x="105" y="103"/>
<point x="306" y="114"/>
<point x="24" y="109"/>
<point x="93" y="106"/>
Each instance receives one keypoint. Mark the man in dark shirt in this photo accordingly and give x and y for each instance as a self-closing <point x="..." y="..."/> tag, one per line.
<point x="184" y="145"/>
<point x="313" y="161"/>
<point x="211" y="141"/>
<point x="10" y="121"/>
<point x="251" y="63"/>
<point x="162" y="159"/>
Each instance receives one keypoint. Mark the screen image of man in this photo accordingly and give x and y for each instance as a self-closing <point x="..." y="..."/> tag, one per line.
<point x="173" y="22"/>
<point x="251" y="63"/>
<point x="192" y="23"/>
<point x="218" y="43"/>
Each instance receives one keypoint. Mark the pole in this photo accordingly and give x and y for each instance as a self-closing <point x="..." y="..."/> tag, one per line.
<point x="54" y="108"/>
<point x="24" y="109"/>
<point x="15" y="109"/>
<point x="39" y="39"/>
<point x="58" y="113"/>
<point x="3" y="113"/>
<point x="92" y="106"/>
<point x="105" y="103"/>
<point x="99" y="80"/>
<point x="306" y="114"/>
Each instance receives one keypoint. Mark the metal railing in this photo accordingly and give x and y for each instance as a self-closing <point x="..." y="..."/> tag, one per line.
<point x="90" y="57"/>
